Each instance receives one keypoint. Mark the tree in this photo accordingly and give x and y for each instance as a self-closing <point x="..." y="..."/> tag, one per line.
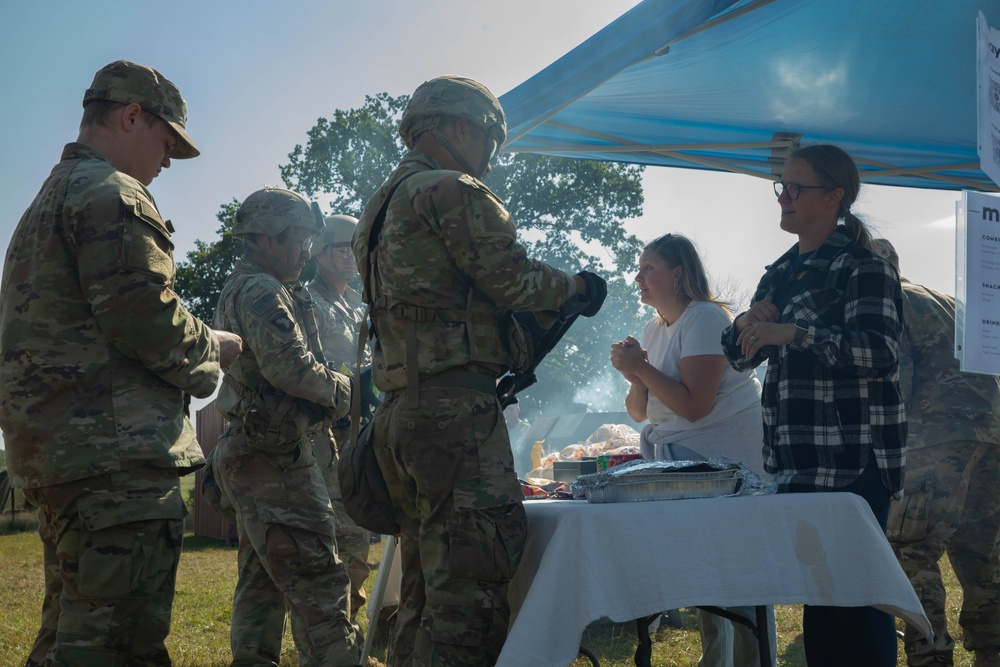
<point x="347" y="157"/>
<point x="200" y="279"/>
<point x="569" y="213"/>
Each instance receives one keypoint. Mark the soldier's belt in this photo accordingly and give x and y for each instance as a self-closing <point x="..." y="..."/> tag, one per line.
<point x="463" y="379"/>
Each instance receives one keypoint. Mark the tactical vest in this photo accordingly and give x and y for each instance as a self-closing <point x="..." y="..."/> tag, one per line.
<point x="272" y="419"/>
<point x="481" y="319"/>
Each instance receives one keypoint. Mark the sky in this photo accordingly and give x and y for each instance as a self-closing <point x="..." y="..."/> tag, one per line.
<point x="257" y="75"/>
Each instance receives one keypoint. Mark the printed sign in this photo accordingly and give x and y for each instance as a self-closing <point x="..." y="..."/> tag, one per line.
<point x="977" y="289"/>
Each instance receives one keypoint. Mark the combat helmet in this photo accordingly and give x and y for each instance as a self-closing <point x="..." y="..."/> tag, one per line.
<point x="339" y="229"/>
<point x="452" y="96"/>
<point x="272" y="211"/>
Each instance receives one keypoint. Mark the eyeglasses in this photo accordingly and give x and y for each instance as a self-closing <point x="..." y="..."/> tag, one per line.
<point x="342" y="250"/>
<point x="793" y="190"/>
<point x="306" y="242"/>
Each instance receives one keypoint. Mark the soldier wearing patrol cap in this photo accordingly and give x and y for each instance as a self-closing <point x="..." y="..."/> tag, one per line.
<point x="444" y="275"/>
<point x="98" y="355"/>
<point x="338" y="313"/>
<point x="950" y="502"/>
<point x="278" y="397"/>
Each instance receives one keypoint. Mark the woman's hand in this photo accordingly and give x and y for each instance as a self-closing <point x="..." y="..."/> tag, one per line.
<point x="762" y="311"/>
<point x="757" y="335"/>
<point x="627" y="356"/>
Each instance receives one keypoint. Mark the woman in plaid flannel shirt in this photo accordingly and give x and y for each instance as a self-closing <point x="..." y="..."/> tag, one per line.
<point x="827" y="317"/>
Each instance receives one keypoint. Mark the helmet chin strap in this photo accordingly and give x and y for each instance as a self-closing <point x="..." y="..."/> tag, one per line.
<point x="459" y="158"/>
<point x="278" y="266"/>
<point x="292" y="259"/>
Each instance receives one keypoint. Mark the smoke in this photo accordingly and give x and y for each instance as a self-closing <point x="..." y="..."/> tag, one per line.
<point x="605" y="393"/>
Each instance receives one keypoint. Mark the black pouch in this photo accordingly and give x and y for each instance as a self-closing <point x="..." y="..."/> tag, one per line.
<point x="274" y="422"/>
<point x="362" y="486"/>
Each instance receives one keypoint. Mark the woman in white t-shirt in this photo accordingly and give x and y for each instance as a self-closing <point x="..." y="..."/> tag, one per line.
<point x="698" y="406"/>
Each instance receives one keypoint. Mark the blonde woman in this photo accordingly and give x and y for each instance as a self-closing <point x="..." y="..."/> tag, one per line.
<point x="698" y="406"/>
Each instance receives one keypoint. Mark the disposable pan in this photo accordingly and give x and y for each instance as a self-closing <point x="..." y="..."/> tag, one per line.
<point x="666" y="486"/>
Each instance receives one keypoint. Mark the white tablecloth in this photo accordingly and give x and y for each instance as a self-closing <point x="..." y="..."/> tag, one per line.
<point x="585" y="561"/>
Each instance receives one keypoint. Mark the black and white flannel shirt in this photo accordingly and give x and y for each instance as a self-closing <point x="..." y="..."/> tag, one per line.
<point x="831" y="401"/>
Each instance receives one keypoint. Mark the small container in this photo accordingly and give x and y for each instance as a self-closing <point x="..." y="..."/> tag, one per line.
<point x="568" y="471"/>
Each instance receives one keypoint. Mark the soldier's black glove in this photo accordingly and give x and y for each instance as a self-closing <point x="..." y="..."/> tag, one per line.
<point x="589" y="303"/>
<point x="597" y="292"/>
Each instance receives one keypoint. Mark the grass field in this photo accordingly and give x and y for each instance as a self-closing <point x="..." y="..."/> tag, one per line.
<point x="200" y="633"/>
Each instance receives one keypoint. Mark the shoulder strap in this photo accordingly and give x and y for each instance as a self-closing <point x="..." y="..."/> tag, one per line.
<point x="307" y="309"/>
<point x="367" y="297"/>
<point x="373" y="233"/>
<point x="356" y="380"/>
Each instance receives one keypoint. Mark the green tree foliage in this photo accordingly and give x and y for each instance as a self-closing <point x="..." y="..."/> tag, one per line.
<point x="570" y="213"/>
<point x="348" y="156"/>
<point x="199" y="279"/>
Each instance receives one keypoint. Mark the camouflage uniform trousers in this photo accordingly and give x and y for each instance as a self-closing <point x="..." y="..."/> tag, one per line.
<point x="951" y="504"/>
<point x="287" y="556"/>
<point x="449" y="469"/>
<point x="353" y="542"/>
<point x="111" y="545"/>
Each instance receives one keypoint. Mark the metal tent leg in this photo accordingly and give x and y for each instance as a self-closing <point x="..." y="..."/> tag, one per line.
<point x="378" y="594"/>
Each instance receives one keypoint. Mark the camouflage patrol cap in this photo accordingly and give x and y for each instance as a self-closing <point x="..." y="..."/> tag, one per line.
<point x="272" y="211"/>
<point x="127" y="83"/>
<point x="339" y="229"/>
<point x="452" y="96"/>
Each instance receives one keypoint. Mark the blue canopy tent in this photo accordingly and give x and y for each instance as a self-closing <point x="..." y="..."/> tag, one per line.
<point x="733" y="85"/>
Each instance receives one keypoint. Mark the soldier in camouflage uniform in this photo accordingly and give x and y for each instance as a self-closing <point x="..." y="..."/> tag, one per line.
<point x="951" y="503"/>
<point x="277" y="398"/>
<point x="446" y="273"/>
<point x="98" y="353"/>
<point x="338" y="313"/>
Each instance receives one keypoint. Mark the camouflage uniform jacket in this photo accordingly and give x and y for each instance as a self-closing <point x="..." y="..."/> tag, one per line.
<point x="272" y="320"/>
<point x="448" y="261"/>
<point x="97" y="348"/>
<point x="339" y="319"/>
<point x="943" y="403"/>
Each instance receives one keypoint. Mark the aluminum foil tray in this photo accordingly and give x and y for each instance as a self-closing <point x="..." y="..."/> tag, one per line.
<point x="666" y="486"/>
